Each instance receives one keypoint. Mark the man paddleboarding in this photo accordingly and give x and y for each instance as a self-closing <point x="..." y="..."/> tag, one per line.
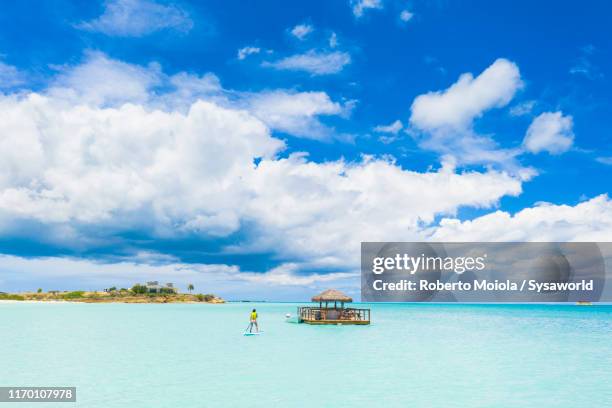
<point x="253" y="322"/>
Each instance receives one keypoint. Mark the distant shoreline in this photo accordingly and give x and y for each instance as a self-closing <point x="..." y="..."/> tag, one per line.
<point x="107" y="297"/>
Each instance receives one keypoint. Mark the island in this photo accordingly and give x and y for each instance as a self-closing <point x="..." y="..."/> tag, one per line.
<point x="151" y="292"/>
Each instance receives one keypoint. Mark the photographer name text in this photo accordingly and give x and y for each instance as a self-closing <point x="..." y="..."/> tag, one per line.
<point x="524" y="285"/>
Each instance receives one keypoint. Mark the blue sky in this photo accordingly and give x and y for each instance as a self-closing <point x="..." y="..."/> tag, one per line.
<point x="249" y="147"/>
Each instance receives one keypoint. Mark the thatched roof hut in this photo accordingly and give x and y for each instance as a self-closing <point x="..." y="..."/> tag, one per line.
<point x="332" y="295"/>
<point x="331" y="310"/>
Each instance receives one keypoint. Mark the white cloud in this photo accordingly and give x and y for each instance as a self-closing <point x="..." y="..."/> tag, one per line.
<point x="468" y="98"/>
<point x="127" y="167"/>
<point x="136" y="18"/>
<point x="301" y="31"/>
<point x="10" y="76"/>
<point x="313" y="62"/>
<point x="550" y="132"/>
<point x="100" y="80"/>
<point x="393" y="128"/>
<point x="113" y="147"/>
<point x="100" y="161"/>
<point x="587" y="221"/>
<point x="170" y="174"/>
<point x="360" y="6"/>
<point x="78" y="274"/>
<point x="312" y="210"/>
<point x="406" y="16"/>
<point x="295" y="112"/>
<point x="246" y="51"/>
<point x="173" y="173"/>
<point x="188" y="87"/>
<point x="445" y="118"/>
<point x="523" y="108"/>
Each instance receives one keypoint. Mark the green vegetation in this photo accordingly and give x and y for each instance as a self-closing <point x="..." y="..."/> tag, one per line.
<point x="78" y="294"/>
<point x="138" y="294"/>
<point x="139" y="289"/>
<point x="204" y="298"/>
<point x="190" y="287"/>
<point x="166" y="291"/>
<point x="9" y="296"/>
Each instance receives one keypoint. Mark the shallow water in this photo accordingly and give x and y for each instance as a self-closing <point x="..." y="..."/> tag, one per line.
<point x="425" y="355"/>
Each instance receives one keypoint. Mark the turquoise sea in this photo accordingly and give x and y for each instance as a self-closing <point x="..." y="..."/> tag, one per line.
<point x="413" y="355"/>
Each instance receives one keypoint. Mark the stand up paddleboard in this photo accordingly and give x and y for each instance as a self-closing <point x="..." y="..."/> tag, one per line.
<point x="253" y="334"/>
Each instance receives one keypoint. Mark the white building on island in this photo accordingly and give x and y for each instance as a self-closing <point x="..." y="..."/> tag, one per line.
<point x="155" y="287"/>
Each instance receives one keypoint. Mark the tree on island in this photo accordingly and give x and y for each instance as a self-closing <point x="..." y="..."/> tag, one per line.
<point x="39" y="290"/>
<point x="204" y="298"/>
<point x="139" y="289"/>
<point x="190" y="287"/>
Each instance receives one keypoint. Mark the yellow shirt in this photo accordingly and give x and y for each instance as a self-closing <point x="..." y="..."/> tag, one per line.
<point x="253" y="315"/>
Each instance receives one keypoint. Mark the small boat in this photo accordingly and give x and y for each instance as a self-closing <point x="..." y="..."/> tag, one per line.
<point x="291" y="319"/>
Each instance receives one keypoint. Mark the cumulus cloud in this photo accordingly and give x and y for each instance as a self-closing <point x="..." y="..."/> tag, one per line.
<point x="177" y="156"/>
<point x="324" y="210"/>
<point x="551" y="132"/>
<point x="456" y="107"/>
<point x="361" y="6"/>
<point x="100" y="80"/>
<point x="189" y="87"/>
<point x="301" y="31"/>
<point x="10" y="76"/>
<point x="246" y="51"/>
<point x="587" y="221"/>
<point x="98" y="166"/>
<point x="296" y="113"/>
<point x="174" y="174"/>
<point x="78" y="167"/>
<point x="136" y="18"/>
<point x="313" y="62"/>
<point x="444" y="119"/>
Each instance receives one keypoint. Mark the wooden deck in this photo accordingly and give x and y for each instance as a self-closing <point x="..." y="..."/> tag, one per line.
<point x="322" y="315"/>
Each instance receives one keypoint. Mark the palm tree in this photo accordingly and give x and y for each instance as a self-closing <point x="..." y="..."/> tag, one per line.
<point x="190" y="287"/>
